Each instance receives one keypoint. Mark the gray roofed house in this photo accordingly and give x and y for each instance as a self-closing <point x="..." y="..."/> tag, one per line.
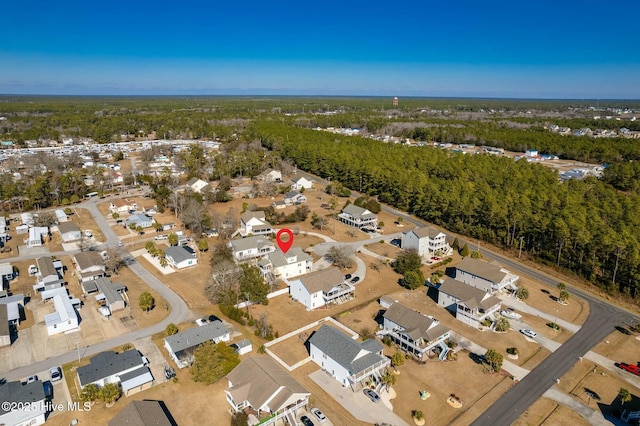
<point x="285" y="265"/>
<point x="32" y="394"/>
<point x="262" y="384"/>
<point x="470" y="305"/>
<point x="111" y="367"/>
<point x="251" y="247"/>
<point x="427" y="241"/>
<point x="110" y="293"/>
<point x="254" y="222"/>
<point x="488" y="276"/>
<point x="6" y="274"/>
<point x="48" y="276"/>
<point x="321" y="288"/>
<point x="358" y="217"/>
<point x="14" y="304"/>
<point x="143" y="413"/>
<point x="180" y="257"/>
<point x="344" y="358"/>
<point x="89" y="266"/>
<point x="5" y="330"/>
<point x="180" y="345"/>
<point x="294" y="197"/>
<point x="413" y="332"/>
<point x="69" y="231"/>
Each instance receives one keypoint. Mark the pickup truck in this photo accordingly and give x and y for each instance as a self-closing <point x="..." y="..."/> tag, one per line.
<point x="633" y="369"/>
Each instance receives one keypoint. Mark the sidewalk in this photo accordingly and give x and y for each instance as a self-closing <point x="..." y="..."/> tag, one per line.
<point x="516" y="371"/>
<point x="593" y="416"/>
<point x="513" y="303"/>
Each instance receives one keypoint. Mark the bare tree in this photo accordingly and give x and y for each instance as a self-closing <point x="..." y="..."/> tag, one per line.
<point x="194" y="216"/>
<point x="224" y="285"/>
<point x="114" y="260"/>
<point x="85" y="243"/>
<point x="340" y="256"/>
<point x="45" y="219"/>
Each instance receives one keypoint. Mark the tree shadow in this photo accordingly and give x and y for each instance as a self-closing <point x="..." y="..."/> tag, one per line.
<point x="623" y="330"/>
<point x="545" y="291"/>
<point x="592" y="394"/>
<point x="478" y="359"/>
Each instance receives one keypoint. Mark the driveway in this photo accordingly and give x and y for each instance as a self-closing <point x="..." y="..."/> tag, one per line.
<point x="360" y="407"/>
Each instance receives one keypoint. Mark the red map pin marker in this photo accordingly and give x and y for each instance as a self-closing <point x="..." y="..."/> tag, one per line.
<point x="284" y="245"/>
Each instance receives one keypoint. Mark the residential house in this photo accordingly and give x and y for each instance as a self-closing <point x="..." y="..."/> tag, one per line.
<point x="139" y="220"/>
<point x="358" y="217"/>
<point x="270" y="175"/>
<point x="294" y="198"/>
<point x="6" y="274"/>
<point x="180" y="257"/>
<point x="89" y="266"/>
<point x="27" y="219"/>
<point x="198" y="185"/>
<point x="251" y="247"/>
<point x="427" y="241"/>
<point x="181" y="345"/>
<point x="143" y="413"/>
<point x="285" y="265"/>
<point x="61" y="216"/>
<point x="65" y="318"/>
<point x="264" y="388"/>
<point x="350" y="362"/>
<point x="469" y="304"/>
<point x="126" y="368"/>
<point x="35" y="236"/>
<point x="49" y="274"/>
<point x="121" y="205"/>
<point x="16" y="397"/>
<point x="321" y="288"/>
<point x="15" y="307"/>
<point x="413" y="332"/>
<point x="299" y="182"/>
<point x="279" y="205"/>
<point x="69" y="231"/>
<point x="490" y="277"/>
<point x="107" y="293"/>
<point x="3" y="225"/>
<point x="254" y="223"/>
<point x="5" y="328"/>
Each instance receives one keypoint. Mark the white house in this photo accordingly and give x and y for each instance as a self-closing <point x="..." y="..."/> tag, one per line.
<point x="121" y="205"/>
<point x="347" y="360"/>
<point x="321" y="288"/>
<point x="3" y="225"/>
<point x="469" y="304"/>
<point x="181" y="345"/>
<point x="413" y="332"/>
<point x="5" y="327"/>
<point x="49" y="274"/>
<point x="254" y="223"/>
<point x="6" y="274"/>
<point x="265" y="387"/>
<point x="61" y="216"/>
<point x="35" y="236"/>
<point x="14" y="304"/>
<point x="69" y="231"/>
<point x="490" y="277"/>
<point x="139" y="220"/>
<point x="300" y="182"/>
<point x="27" y="218"/>
<point x="198" y="185"/>
<point x="270" y="175"/>
<point x="294" y="198"/>
<point x="107" y="293"/>
<point x="126" y="369"/>
<point x="18" y="396"/>
<point x="250" y="248"/>
<point x="89" y="266"/>
<point x="358" y="217"/>
<point x="427" y="241"/>
<point x="65" y="317"/>
<point x="285" y="265"/>
<point x="180" y="257"/>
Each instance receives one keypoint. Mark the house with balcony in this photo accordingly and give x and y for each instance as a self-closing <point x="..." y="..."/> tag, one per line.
<point x="279" y="265"/>
<point x="487" y="276"/>
<point x="358" y="217"/>
<point x="266" y="391"/>
<point x="181" y="345"/>
<point x="126" y="369"/>
<point x="49" y="274"/>
<point x="254" y="223"/>
<point x="427" y="241"/>
<point x="469" y="304"/>
<point x="321" y="288"/>
<point x="413" y="332"/>
<point x="89" y="266"/>
<point x="349" y="361"/>
<point x="245" y="249"/>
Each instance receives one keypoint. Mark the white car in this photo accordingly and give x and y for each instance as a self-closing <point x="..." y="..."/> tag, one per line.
<point x="319" y="415"/>
<point x="510" y="314"/>
<point x="55" y="373"/>
<point x="88" y="234"/>
<point x="528" y="332"/>
<point x="161" y="237"/>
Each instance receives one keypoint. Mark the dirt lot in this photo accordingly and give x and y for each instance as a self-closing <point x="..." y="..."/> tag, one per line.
<point x="620" y="346"/>
<point x="384" y="249"/>
<point x="548" y="412"/>
<point x="542" y="298"/>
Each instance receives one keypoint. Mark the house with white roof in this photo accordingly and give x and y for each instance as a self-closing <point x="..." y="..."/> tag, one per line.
<point x="299" y="182"/>
<point x="49" y="274"/>
<point x="198" y="185"/>
<point x="3" y="226"/>
<point x="61" y="216"/>
<point x="121" y="205"/>
<point x="35" y="236"/>
<point x="427" y="241"/>
<point x="279" y="265"/>
<point x="27" y="218"/>
<point x="488" y="276"/>
<point x="180" y="257"/>
<point x="69" y="231"/>
<point x="254" y="223"/>
<point x="270" y="175"/>
<point x="15" y="307"/>
<point x="65" y="318"/>
<point x="107" y="293"/>
<point x="345" y="359"/>
<point x="181" y="345"/>
<point x="321" y="288"/>
<point x="469" y="304"/>
<point x="249" y="248"/>
<point x="358" y="217"/>
<point x="6" y="274"/>
<point x="413" y="332"/>
<point x="18" y="396"/>
<point x="5" y="327"/>
<point x="267" y="390"/>
<point x="126" y="369"/>
<point x="139" y="220"/>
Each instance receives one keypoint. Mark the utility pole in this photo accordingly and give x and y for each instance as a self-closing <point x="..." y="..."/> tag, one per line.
<point x="520" y="252"/>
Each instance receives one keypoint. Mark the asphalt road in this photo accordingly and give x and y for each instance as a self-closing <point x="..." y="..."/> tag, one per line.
<point x="179" y="311"/>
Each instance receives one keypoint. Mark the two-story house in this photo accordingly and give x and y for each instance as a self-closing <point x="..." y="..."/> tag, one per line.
<point x="299" y="182"/>
<point x="358" y="217"/>
<point x="469" y="304"/>
<point x="249" y="248"/>
<point x="413" y="332"/>
<point x="490" y="277"/>
<point x="281" y="265"/>
<point x="270" y="175"/>
<point x="254" y="223"/>
<point x="427" y="241"/>
<point x="321" y="288"/>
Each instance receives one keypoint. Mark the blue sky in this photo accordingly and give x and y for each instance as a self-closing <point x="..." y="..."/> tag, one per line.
<point x="539" y="49"/>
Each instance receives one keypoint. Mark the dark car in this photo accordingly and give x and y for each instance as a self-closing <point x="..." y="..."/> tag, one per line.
<point x="347" y="277"/>
<point x="373" y="396"/>
<point x="48" y="390"/>
<point x="306" y="421"/>
<point x="355" y="280"/>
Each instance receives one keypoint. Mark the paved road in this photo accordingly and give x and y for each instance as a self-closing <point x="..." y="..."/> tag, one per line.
<point x="179" y="311"/>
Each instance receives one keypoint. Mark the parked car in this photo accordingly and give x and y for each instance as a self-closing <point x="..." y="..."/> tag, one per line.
<point x="633" y="369"/>
<point x="88" y="234"/>
<point x="31" y="379"/>
<point x="306" y="421"/>
<point x="120" y="244"/>
<point x="319" y="415"/>
<point x="355" y="280"/>
<point x="373" y="396"/>
<point x="161" y="237"/>
<point x="55" y="373"/>
<point x="48" y="390"/>
<point x="202" y="321"/>
<point x="510" y="314"/>
<point x="528" y="332"/>
<point x="347" y="277"/>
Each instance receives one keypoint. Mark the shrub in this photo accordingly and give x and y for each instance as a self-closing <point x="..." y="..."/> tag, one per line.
<point x="262" y="349"/>
<point x="233" y="313"/>
<point x="451" y="344"/>
<point x="512" y="351"/>
<point x="171" y="329"/>
<point x="387" y="340"/>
